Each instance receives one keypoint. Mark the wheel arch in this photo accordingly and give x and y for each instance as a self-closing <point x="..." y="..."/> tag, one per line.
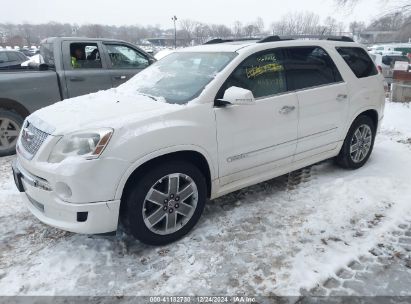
<point x="140" y="167"/>
<point x="12" y="105"/>
<point x="372" y="113"/>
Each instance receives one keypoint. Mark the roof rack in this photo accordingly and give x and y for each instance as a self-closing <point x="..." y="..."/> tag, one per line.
<point x="270" y="39"/>
<point x="219" y="40"/>
<point x="292" y="37"/>
<point x="275" y="38"/>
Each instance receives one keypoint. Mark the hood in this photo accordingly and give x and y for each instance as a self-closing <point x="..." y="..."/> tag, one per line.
<point x="111" y="108"/>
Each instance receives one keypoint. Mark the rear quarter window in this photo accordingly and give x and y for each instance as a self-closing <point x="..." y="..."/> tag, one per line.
<point x="358" y="60"/>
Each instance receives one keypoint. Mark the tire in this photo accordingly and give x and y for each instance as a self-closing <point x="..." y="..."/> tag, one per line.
<point x="10" y="126"/>
<point x="357" y="147"/>
<point x="150" y="207"/>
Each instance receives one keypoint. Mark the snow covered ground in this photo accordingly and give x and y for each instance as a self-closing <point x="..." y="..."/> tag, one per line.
<point x="269" y="239"/>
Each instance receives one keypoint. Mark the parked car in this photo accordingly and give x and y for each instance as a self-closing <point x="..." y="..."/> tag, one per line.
<point x="104" y="64"/>
<point x="34" y="50"/>
<point x="26" y="52"/>
<point x="385" y="63"/>
<point x="10" y="59"/>
<point x="200" y="123"/>
<point x="403" y="48"/>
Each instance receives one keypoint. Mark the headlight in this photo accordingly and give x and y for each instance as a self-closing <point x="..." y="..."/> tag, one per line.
<point x="87" y="144"/>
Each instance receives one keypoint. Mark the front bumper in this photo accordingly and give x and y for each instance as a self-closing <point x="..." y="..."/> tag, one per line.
<point x="87" y="218"/>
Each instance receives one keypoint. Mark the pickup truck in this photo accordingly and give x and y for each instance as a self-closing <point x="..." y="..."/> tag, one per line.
<point x="69" y="67"/>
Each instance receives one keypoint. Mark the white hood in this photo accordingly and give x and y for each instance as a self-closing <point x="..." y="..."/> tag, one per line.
<point x="111" y="108"/>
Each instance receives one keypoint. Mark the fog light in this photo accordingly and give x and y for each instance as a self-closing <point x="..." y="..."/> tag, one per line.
<point x="63" y="190"/>
<point x="82" y="216"/>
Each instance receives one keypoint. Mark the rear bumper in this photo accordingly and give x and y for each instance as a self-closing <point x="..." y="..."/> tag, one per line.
<point x="87" y="218"/>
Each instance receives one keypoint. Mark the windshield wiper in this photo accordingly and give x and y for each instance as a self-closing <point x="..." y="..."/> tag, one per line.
<point x="149" y="96"/>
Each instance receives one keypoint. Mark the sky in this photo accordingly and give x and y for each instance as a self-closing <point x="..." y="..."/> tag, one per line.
<point x="159" y="12"/>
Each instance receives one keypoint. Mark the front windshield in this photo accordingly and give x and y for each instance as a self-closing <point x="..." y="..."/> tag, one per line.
<point x="179" y="77"/>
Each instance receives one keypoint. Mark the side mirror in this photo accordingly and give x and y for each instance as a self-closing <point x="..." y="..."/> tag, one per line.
<point x="237" y="96"/>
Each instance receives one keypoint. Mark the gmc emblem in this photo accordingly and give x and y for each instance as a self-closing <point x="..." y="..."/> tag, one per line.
<point x="27" y="135"/>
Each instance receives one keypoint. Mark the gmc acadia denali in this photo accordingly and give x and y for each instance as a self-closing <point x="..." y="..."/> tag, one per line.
<point x="200" y="123"/>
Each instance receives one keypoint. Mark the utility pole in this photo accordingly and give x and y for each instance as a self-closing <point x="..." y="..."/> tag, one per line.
<point x="174" y="18"/>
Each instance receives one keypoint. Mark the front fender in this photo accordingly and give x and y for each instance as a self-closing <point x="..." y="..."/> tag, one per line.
<point x="162" y="152"/>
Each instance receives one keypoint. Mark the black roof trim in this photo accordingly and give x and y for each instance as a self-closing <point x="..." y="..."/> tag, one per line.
<point x="270" y="39"/>
<point x="293" y="37"/>
<point x="275" y="38"/>
<point x="219" y="40"/>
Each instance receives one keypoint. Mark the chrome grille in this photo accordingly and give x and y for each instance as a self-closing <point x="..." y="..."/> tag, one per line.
<point x="32" y="138"/>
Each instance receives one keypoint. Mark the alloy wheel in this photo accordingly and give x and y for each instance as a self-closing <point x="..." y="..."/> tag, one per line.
<point x="361" y="143"/>
<point x="170" y="203"/>
<point x="9" y="133"/>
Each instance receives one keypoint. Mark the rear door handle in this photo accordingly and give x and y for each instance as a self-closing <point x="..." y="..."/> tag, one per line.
<point x="341" y="97"/>
<point x="120" y="77"/>
<point x="286" y="109"/>
<point x="74" y="78"/>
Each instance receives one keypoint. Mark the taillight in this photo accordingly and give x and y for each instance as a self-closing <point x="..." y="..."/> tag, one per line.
<point x="379" y="69"/>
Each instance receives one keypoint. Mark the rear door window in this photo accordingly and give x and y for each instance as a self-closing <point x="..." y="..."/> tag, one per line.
<point x="22" y="57"/>
<point x="13" y="56"/>
<point x="3" y="57"/>
<point x="358" y="60"/>
<point x="308" y="67"/>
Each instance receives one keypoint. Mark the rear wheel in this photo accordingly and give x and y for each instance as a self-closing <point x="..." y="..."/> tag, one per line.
<point x="165" y="203"/>
<point x="10" y="126"/>
<point x="358" y="144"/>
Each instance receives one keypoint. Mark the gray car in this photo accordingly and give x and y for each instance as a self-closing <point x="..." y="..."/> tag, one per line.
<point x="11" y="59"/>
<point x="69" y="67"/>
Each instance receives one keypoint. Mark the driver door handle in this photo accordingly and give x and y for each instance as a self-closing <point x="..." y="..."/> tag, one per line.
<point x="120" y="77"/>
<point x="76" y="78"/>
<point x="341" y="97"/>
<point x="286" y="109"/>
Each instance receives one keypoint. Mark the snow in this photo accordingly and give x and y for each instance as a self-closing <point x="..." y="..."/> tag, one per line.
<point x="35" y="59"/>
<point x="163" y="53"/>
<point x="262" y="240"/>
<point x="99" y="109"/>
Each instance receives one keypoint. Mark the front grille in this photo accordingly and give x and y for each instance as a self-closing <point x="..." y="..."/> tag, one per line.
<point x="32" y="138"/>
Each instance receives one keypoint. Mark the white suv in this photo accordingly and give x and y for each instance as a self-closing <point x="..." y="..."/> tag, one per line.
<point x="198" y="124"/>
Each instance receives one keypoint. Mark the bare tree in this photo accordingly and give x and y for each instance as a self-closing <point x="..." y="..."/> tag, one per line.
<point x="330" y="26"/>
<point x="259" y="25"/>
<point x="297" y="24"/>
<point x="357" y="27"/>
<point x="389" y="22"/>
<point x="201" y="32"/>
<point x="220" y="31"/>
<point x="250" y="30"/>
<point x="187" y="28"/>
<point x="238" y="29"/>
<point x="396" y="5"/>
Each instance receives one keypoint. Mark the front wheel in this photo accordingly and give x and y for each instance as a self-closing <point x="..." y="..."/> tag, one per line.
<point x="358" y="144"/>
<point x="165" y="203"/>
<point x="10" y="126"/>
